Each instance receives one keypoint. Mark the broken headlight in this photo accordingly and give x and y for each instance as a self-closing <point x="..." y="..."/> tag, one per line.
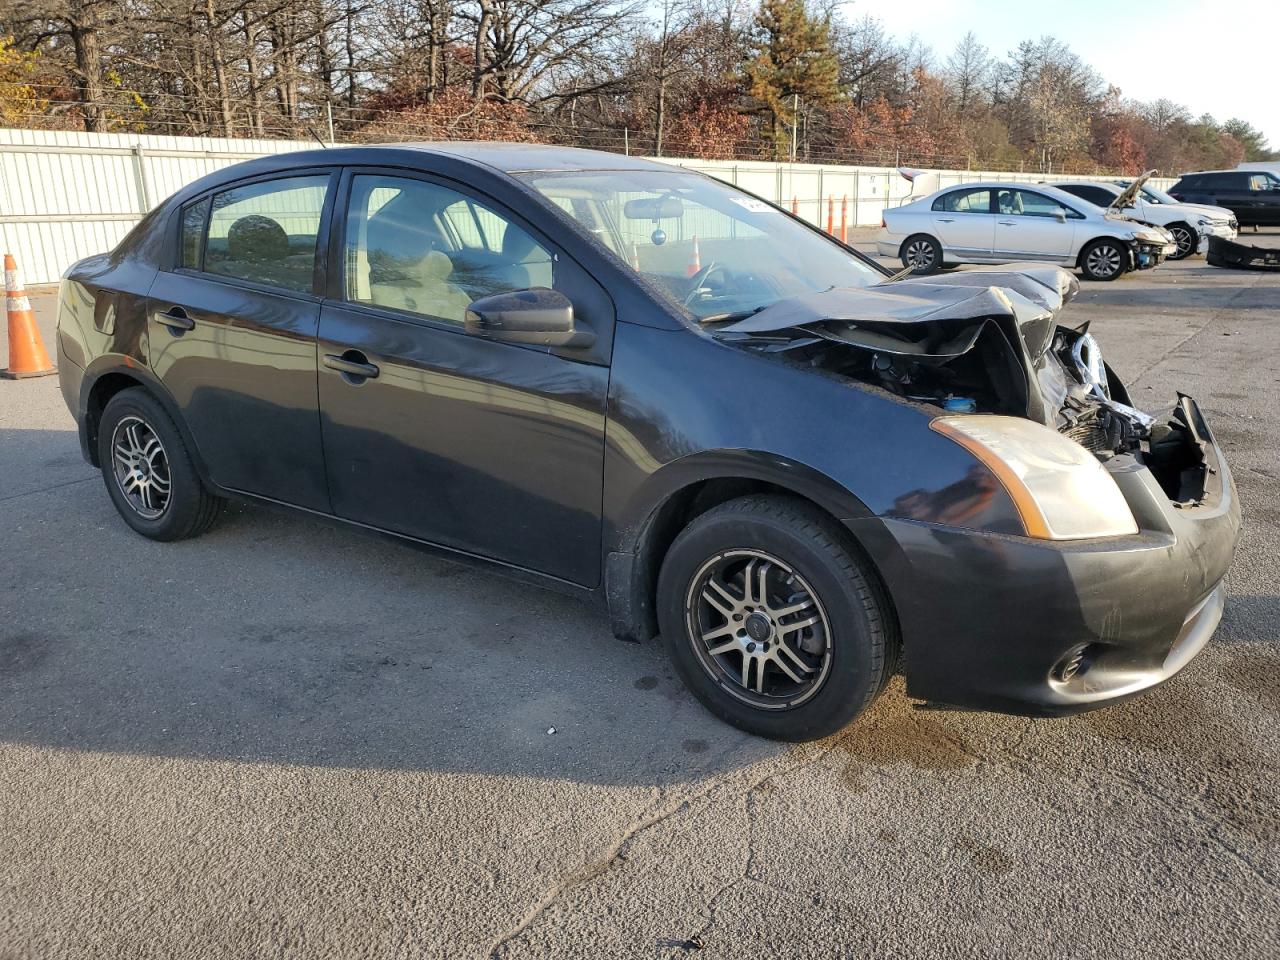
<point x="1060" y="489"/>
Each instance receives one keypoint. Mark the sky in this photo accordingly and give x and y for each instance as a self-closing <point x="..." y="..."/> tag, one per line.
<point x="1214" y="57"/>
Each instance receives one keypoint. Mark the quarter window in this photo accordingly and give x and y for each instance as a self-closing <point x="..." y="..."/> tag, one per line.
<point x="423" y="248"/>
<point x="964" y="201"/>
<point x="266" y="232"/>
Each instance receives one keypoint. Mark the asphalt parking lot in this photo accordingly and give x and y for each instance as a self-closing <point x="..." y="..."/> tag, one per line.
<point x="286" y="739"/>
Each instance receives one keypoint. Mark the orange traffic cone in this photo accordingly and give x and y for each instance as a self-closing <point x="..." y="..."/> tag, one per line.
<point x="695" y="265"/>
<point x="27" y="356"/>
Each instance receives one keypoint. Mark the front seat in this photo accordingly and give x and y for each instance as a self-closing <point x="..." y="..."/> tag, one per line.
<point x="422" y="286"/>
<point x="518" y="250"/>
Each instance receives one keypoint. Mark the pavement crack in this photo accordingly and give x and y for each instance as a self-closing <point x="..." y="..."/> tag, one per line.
<point x="56" y="486"/>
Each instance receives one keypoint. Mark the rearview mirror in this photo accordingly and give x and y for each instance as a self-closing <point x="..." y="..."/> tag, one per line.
<point x="538" y="315"/>
<point x="653" y="208"/>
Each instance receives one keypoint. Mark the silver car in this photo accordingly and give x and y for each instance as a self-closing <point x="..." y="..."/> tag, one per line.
<point x="1005" y="222"/>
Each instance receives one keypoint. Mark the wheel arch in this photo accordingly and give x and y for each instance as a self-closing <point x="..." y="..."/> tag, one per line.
<point x="109" y="377"/>
<point x="632" y="565"/>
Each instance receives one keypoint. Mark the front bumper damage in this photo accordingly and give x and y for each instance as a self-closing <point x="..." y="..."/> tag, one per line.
<point x="1041" y="628"/>
<point x="1145" y="254"/>
<point x="1241" y="256"/>
<point x="992" y="620"/>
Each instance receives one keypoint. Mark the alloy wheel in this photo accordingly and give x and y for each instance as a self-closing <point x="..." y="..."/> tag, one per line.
<point x="1185" y="240"/>
<point x="920" y="255"/>
<point x="758" y="629"/>
<point x="141" y="467"/>
<point x="1103" y="260"/>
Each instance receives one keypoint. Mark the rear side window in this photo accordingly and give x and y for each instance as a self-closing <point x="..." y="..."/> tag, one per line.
<point x="1095" y="195"/>
<point x="964" y="201"/>
<point x="267" y="232"/>
<point x="1224" y="181"/>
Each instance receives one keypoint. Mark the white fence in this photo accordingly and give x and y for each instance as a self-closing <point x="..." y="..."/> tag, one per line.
<point x="66" y="195"/>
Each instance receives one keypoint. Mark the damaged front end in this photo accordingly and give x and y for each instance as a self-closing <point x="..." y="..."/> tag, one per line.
<point x="981" y="341"/>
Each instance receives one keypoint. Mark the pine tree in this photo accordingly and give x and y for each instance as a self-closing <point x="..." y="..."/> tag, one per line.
<point x="792" y="57"/>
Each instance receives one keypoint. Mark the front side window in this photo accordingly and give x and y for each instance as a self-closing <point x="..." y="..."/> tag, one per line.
<point x="964" y="201"/>
<point x="1026" y="203"/>
<point x="426" y="249"/>
<point x="1259" y="182"/>
<point x="711" y="249"/>
<point x="266" y="232"/>
<point x="1095" y="195"/>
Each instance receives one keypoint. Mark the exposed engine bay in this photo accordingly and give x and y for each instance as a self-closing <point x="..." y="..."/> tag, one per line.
<point x="982" y="341"/>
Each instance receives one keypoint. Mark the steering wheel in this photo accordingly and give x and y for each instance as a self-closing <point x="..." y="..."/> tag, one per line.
<point x="698" y="279"/>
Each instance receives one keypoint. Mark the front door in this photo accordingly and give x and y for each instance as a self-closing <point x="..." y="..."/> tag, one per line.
<point x="231" y="333"/>
<point x="1027" y="225"/>
<point x="495" y="449"/>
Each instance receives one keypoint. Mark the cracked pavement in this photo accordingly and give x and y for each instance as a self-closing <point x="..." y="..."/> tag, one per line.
<point x="287" y="739"/>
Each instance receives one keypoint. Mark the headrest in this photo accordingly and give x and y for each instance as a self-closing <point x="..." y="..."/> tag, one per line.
<point x="256" y="237"/>
<point x="516" y="244"/>
<point x="435" y="265"/>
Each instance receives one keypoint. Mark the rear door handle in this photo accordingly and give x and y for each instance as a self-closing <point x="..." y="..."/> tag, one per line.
<point x="176" y="319"/>
<point x="353" y="363"/>
<point x="1008" y="223"/>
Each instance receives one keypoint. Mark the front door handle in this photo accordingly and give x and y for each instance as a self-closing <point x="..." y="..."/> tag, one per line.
<point x="176" y="319"/>
<point x="1008" y="223"/>
<point x="946" y="219"/>
<point x="353" y="363"/>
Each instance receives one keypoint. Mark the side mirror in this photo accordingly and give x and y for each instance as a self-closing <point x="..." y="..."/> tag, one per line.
<point x="1060" y="215"/>
<point x="538" y="315"/>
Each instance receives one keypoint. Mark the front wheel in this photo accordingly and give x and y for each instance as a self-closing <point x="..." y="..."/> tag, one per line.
<point x="772" y="621"/>
<point x="922" y="254"/>
<point x="1187" y="239"/>
<point x="1102" y="260"/>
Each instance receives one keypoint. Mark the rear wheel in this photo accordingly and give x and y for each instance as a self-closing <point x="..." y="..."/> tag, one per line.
<point x="1186" y="238"/>
<point x="1102" y="260"/>
<point x="922" y="253"/>
<point x="772" y="621"/>
<point x="148" y="471"/>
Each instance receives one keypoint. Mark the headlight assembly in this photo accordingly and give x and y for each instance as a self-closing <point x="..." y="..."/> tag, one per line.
<point x="1060" y="489"/>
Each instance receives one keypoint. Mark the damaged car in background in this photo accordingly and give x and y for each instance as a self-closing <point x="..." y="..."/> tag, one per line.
<point x="997" y="223"/>
<point x="646" y="388"/>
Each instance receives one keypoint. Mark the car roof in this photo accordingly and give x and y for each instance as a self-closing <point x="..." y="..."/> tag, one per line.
<point x="1112" y="184"/>
<point x="504" y="157"/>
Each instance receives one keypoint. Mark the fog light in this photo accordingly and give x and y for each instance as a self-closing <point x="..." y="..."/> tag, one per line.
<point x="1074" y="664"/>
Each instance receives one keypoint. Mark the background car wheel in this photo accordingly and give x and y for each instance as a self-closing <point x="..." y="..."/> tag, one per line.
<point x="1187" y="239"/>
<point x="772" y="621"/>
<point x="1102" y="260"/>
<point x="148" y="470"/>
<point x="922" y="253"/>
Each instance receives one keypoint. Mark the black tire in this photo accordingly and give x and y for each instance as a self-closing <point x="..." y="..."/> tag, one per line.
<point x="1104" y="252"/>
<point x="188" y="508"/>
<point x="1187" y="238"/>
<point x="922" y="252"/>
<point x="812" y="553"/>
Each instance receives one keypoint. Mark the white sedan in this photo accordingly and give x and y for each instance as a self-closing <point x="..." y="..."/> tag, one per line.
<point x="1007" y="222"/>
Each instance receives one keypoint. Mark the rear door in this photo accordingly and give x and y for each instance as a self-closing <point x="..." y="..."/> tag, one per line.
<point x="963" y="222"/>
<point x="232" y="333"/>
<point x="1027" y="225"/>
<point x="495" y="449"/>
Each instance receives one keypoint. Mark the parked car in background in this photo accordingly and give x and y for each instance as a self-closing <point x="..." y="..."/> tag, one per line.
<point x="1252" y="195"/>
<point x="643" y="387"/>
<point x="1190" y="225"/>
<point x="1006" y="222"/>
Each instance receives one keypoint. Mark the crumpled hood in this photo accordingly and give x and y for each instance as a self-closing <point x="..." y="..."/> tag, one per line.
<point x="1031" y="296"/>
<point x="1130" y="193"/>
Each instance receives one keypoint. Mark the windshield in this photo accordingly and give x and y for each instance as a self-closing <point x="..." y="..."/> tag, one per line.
<point x="712" y="249"/>
<point x="1152" y="195"/>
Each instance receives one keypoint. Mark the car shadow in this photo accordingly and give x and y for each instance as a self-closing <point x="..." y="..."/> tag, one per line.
<point x="281" y="638"/>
